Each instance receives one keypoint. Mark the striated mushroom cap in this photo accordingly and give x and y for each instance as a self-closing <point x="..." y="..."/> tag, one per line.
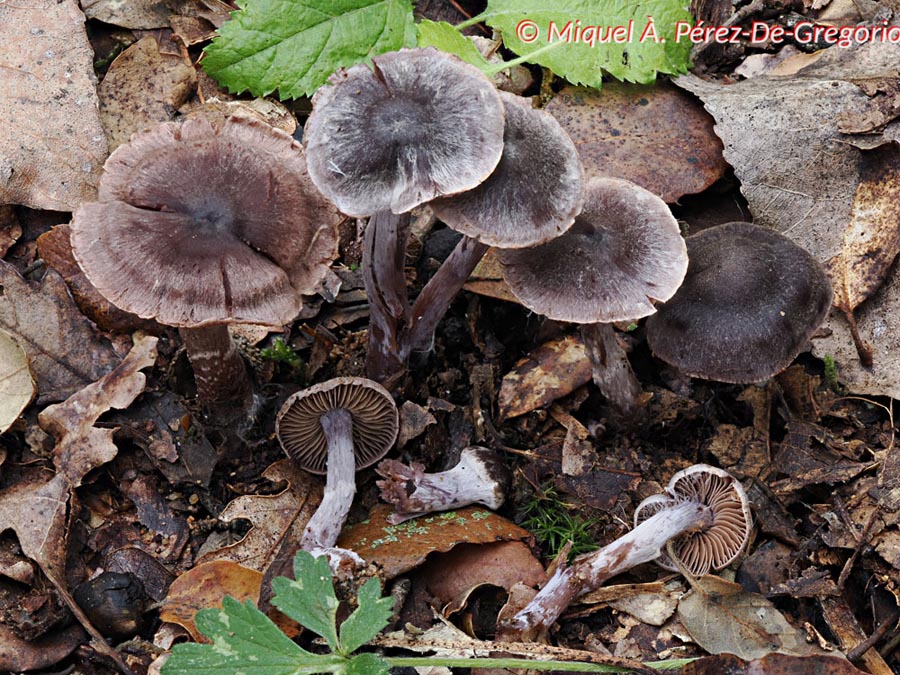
<point x="751" y="300"/>
<point x="534" y="193"/>
<point x="415" y="125"/>
<point x="716" y="546"/>
<point x="197" y="225"/>
<point x="623" y="253"/>
<point x="375" y="421"/>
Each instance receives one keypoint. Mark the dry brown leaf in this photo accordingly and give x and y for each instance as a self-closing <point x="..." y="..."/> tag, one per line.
<point x="10" y="229"/>
<point x="16" y="382"/>
<point x="414" y="419"/>
<point x="52" y="147"/>
<point x="81" y="447"/>
<point x="655" y="136"/>
<point x="275" y="518"/>
<point x="487" y="279"/>
<point x="773" y="664"/>
<point x="652" y="603"/>
<point x="17" y="655"/>
<point x="62" y="346"/>
<point x="553" y="370"/>
<point x="400" y="548"/>
<point x="144" y="14"/>
<point x="725" y="618"/>
<point x="142" y="88"/>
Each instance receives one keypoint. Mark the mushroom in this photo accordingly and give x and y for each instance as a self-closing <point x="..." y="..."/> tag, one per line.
<point x="623" y="253"/>
<point x="750" y="302"/>
<point x="198" y="227"/>
<point x="706" y="512"/>
<point x="336" y="428"/>
<point x="480" y="477"/>
<point x="386" y="137"/>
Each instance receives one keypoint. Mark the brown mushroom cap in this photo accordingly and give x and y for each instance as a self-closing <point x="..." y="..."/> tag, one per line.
<point x="749" y="303"/>
<point x="716" y="546"/>
<point x="197" y="225"/>
<point x="416" y="125"/>
<point x="375" y="421"/>
<point x="623" y="253"/>
<point x="534" y="193"/>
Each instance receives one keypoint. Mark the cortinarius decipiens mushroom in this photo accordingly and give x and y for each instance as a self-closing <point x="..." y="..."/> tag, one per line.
<point x="335" y="428"/>
<point x="199" y="226"/>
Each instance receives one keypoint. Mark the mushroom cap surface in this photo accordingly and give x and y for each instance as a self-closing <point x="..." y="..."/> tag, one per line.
<point x="375" y="421"/>
<point x="718" y="545"/>
<point x="534" y="193"/>
<point x="199" y="225"/>
<point x="751" y="300"/>
<point x="623" y="253"/>
<point x="415" y="125"/>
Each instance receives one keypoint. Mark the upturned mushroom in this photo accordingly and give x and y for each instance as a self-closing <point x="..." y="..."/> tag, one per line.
<point x="705" y="511"/>
<point x="749" y="304"/>
<point x="480" y="477"/>
<point x="623" y="254"/>
<point x="201" y="226"/>
<point x="336" y="428"/>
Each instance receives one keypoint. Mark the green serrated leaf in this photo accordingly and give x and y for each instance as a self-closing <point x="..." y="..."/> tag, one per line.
<point x="294" y="45"/>
<point x="366" y="664"/>
<point x="445" y="37"/>
<point x="371" y="615"/>
<point x="564" y="30"/>
<point x="309" y="598"/>
<point x="245" y="640"/>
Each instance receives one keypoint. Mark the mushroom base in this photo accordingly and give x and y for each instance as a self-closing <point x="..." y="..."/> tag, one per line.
<point x="219" y="370"/>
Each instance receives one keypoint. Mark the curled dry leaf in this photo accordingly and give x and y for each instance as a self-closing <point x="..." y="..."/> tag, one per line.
<point x="773" y="664"/>
<point x="16" y="382"/>
<point x="80" y="446"/>
<point x="63" y="348"/>
<point x="53" y="147"/>
<point x="655" y="136"/>
<point x="17" y="655"/>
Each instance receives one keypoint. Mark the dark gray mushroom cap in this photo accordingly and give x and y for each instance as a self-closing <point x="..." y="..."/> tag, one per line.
<point x="197" y="225"/>
<point x="416" y="125"/>
<point x="623" y="253"/>
<point x="534" y="193"/>
<point x="375" y="421"/>
<point x="749" y="304"/>
<point x="718" y="545"/>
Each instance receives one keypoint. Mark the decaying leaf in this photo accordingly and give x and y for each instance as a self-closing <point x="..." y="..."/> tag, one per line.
<point x="551" y="371"/>
<point x="53" y="145"/>
<point x="652" y="603"/>
<point x="144" y="14"/>
<point x="414" y="419"/>
<point x="721" y="617"/>
<point x="62" y="346"/>
<point x="487" y="279"/>
<point x="400" y="548"/>
<point x="142" y="88"/>
<point x="80" y="446"/>
<point x="275" y="518"/>
<point x="655" y="136"/>
<point x="16" y="383"/>
<point x="17" y="655"/>
<point x="773" y="664"/>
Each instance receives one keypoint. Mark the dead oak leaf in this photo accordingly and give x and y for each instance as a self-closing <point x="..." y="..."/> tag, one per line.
<point x="16" y="382"/>
<point x="80" y="446"/>
<point x="63" y="348"/>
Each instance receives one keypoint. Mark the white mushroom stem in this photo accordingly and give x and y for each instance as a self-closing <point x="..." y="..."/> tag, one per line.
<point x="323" y="528"/>
<point x="611" y="369"/>
<point x="478" y="478"/>
<point x="589" y="571"/>
<point x="219" y="369"/>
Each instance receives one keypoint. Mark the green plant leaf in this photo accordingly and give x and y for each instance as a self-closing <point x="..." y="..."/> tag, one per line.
<point x="245" y="640"/>
<point x="371" y="615"/>
<point x="309" y="598"/>
<point x="294" y="45"/>
<point x="633" y="60"/>
<point x="445" y="37"/>
<point x="366" y="664"/>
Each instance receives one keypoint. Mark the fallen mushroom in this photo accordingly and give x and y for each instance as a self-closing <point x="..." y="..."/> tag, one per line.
<point x="750" y="302"/>
<point x="199" y="227"/>
<point x="623" y="254"/>
<point x="706" y="512"/>
<point x="336" y="428"/>
<point x="480" y="477"/>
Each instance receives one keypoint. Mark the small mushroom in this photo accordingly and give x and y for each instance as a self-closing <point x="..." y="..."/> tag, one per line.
<point x="198" y="227"/>
<point x="480" y="477"/>
<point x="336" y="428"/>
<point x="750" y="302"/>
<point x="705" y="510"/>
<point x="623" y="254"/>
